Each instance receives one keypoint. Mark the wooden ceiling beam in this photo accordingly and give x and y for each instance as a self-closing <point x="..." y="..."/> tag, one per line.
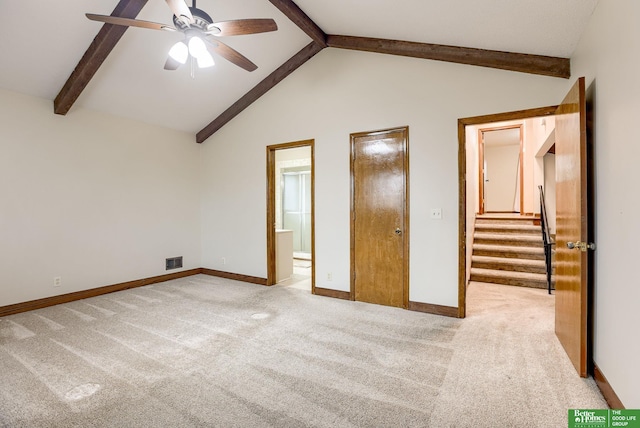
<point x="298" y="17"/>
<point x="100" y="48"/>
<point x="525" y="63"/>
<point x="259" y="90"/>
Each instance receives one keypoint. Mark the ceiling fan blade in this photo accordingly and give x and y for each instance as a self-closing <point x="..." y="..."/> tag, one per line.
<point x="181" y="10"/>
<point x="242" y="26"/>
<point x="230" y="54"/>
<point x="115" y="20"/>
<point x="171" y="64"/>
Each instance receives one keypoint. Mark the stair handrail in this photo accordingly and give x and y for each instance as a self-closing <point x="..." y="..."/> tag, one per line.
<point x="546" y="237"/>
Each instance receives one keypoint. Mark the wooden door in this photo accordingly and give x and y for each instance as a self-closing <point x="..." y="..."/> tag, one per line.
<point x="572" y="226"/>
<point x="379" y="217"/>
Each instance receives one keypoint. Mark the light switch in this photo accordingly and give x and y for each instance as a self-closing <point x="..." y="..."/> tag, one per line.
<point x="436" y="213"/>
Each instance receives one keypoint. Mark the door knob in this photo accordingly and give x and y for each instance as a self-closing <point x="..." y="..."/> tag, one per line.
<point x="398" y="231"/>
<point x="582" y="246"/>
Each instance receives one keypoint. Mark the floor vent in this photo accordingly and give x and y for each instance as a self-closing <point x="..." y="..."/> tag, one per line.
<point x="174" y="263"/>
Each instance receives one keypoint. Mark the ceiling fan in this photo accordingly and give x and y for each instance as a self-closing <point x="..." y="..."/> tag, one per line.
<point x="199" y="31"/>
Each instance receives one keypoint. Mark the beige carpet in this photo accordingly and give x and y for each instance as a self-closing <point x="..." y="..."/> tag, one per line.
<point x="205" y="351"/>
<point x="509" y="369"/>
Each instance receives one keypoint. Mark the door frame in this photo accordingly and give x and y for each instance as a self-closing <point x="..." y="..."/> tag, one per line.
<point x="271" y="209"/>
<point x="352" y="216"/>
<point x="481" y="132"/>
<point x="462" y="184"/>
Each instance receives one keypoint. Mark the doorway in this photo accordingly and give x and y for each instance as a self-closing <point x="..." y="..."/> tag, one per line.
<point x="573" y="179"/>
<point x="290" y="215"/>
<point x="380" y="217"/>
<point x="472" y="176"/>
<point x="470" y="179"/>
<point x="501" y="169"/>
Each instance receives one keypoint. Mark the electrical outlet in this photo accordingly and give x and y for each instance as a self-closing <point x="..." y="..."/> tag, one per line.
<point x="57" y="281"/>
<point x="224" y="260"/>
<point x="329" y="276"/>
<point x="436" y="213"/>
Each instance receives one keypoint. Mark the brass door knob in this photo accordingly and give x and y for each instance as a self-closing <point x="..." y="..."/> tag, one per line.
<point x="582" y="246"/>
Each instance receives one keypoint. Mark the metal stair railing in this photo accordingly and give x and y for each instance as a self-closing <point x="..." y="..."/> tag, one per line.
<point x="546" y="238"/>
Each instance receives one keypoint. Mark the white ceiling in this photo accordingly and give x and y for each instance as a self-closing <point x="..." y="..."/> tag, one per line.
<point x="42" y="42"/>
<point x="502" y="137"/>
<point x="541" y="27"/>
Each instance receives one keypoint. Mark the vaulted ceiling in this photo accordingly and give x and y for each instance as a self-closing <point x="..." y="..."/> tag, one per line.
<point x="51" y="50"/>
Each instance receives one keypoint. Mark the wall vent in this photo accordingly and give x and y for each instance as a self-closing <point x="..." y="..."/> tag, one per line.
<point x="173" y="263"/>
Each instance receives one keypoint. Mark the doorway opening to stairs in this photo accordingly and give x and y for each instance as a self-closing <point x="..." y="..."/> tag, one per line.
<point x="507" y="156"/>
<point x="564" y="130"/>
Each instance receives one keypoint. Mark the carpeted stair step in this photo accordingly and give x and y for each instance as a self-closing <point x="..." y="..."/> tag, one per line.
<point x="521" y="279"/>
<point x="524" y="220"/>
<point x="518" y="229"/>
<point x="511" y="240"/>
<point x="508" y="249"/>
<point x="531" y="253"/>
<point x="509" y="264"/>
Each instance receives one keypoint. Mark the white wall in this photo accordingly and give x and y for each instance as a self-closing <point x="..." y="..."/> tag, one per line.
<point x="550" y="190"/>
<point x="608" y="56"/>
<point x="91" y="198"/>
<point x="547" y="166"/>
<point x="534" y="137"/>
<point x="336" y="93"/>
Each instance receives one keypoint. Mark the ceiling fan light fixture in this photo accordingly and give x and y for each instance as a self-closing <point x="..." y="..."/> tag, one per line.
<point x="197" y="47"/>
<point x="212" y="29"/>
<point x="198" y="29"/>
<point x="185" y="20"/>
<point x="179" y="52"/>
<point x="205" y="61"/>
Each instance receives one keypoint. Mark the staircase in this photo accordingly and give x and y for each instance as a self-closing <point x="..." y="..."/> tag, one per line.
<point x="508" y="249"/>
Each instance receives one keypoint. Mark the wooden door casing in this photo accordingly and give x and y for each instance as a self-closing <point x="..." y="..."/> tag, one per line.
<point x="271" y="208"/>
<point x="571" y="265"/>
<point x="379" y="217"/>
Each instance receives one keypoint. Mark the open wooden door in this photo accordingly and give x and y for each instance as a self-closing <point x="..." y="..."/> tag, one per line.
<point x="572" y="242"/>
